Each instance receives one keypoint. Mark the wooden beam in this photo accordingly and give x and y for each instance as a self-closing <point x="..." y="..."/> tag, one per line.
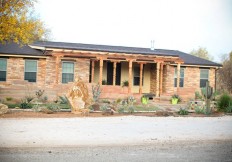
<point x="92" y="70"/>
<point x="178" y="75"/>
<point x="114" y="73"/>
<point x="100" y="71"/>
<point x="157" y="78"/>
<point x="57" y="68"/>
<point x="130" y="76"/>
<point x="141" y="79"/>
<point x="161" y="78"/>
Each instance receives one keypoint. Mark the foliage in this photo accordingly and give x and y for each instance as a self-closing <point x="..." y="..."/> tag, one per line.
<point x="9" y="98"/>
<point x="63" y="99"/>
<point x="25" y="105"/>
<point x="202" y="53"/>
<point x="104" y="107"/>
<point x="131" y="100"/>
<point x="125" y="83"/>
<point x="13" y="105"/>
<point x="210" y="92"/>
<point x="183" y="111"/>
<point x="29" y="98"/>
<point x="224" y="101"/>
<point x="225" y="74"/>
<point x="177" y="97"/>
<point x="229" y="108"/>
<point x="96" y="91"/>
<point x="121" y="109"/>
<point x="144" y="99"/>
<point x="198" y="95"/>
<point x="39" y="93"/>
<point x="106" y="101"/>
<point x="131" y="109"/>
<point x="53" y="107"/>
<point x="104" y="82"/>
<point x="18" y="24"/>
<point x="199" y="109"/>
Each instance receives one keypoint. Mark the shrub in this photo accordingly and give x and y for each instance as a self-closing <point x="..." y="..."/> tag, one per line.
<point x="53" y="107"/>
<point x="103" y="107"/>
<point x="229" y="108"/>
<point x="131" y="109"/>
<point x="125" y="83"/>
<point x="9" y="98"/>
<point x="39" y="93"/>
<point x="63" y="99"/>
<point x="25" y="105"/>
<point x="183" y="111"/>
<point x="198" y="95"/>
<point x="13" y="105"/>
<point x="121" y="109"/>
<point x="224" y="101"/>
<point x="199" y="109"/>
<point x="177" y="96"/>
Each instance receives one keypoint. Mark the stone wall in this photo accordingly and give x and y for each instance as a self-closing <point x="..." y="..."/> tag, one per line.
<point x="16" y="87"/>
<point x="191" y="82"/>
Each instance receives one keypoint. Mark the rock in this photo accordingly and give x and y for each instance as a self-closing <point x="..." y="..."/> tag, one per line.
<point x="3" y="109"/>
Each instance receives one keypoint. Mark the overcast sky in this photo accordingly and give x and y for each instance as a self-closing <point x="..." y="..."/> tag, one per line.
<point x="173" y="24"/>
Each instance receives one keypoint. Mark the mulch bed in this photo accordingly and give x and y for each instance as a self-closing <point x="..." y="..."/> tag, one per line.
<point x="31" y="114"/>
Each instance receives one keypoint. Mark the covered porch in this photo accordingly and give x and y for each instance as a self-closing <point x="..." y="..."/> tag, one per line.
<point x="144" y="73"/>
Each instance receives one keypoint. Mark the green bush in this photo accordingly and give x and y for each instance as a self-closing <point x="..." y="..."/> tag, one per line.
<point x="178" y="97"/>
<point x="183" y="111"/>
<point x="121" y="109"/>
<point x="63" y="99"/>
<point x="199" y="109"/>
<point x="13" y="105"/>
<point x="224" y="102"/>
<point x="53" y="107"/>
<point x="131" y="109"/>
<point x="229" y="108"/>
<point x="26" y="105"/>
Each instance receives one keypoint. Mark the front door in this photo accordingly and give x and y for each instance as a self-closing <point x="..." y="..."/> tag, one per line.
<point x="110" y="68"/>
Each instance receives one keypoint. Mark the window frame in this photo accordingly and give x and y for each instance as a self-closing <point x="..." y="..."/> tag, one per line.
<point x="3" y="70"/>
<point x="206" y="79"/>
<point x="181" y="78"/>
<point x="67" y="73"/>
<point x="31" y="71"/>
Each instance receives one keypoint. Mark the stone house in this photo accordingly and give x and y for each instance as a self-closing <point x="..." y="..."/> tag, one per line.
<point x="53" y="67"/>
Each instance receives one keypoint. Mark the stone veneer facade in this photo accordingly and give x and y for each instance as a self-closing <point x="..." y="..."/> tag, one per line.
<point x="17" y="87"/>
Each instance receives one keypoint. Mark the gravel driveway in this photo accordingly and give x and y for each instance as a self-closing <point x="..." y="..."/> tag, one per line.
<point x="56" y="132"/>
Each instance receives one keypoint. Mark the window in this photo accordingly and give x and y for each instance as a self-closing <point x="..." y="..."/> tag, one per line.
<point x="30" y="70"/>
<point x="3" y="69"/>
<point x="137" y="75"/>
<point x="67" y="72"/>
<point x="204" y="76"/>
<point x="181" y="77"/>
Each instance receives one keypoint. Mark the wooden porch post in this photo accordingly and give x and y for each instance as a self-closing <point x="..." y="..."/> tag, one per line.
<point x="130" y="76"/>
<point x="57" y="68"/>
<point x="100" y="71"/>
<point x="178" y="76"/>
<point x="114" y="73"/>
<point x="157" y="78"/>
<point x="92" y="70"/>
<point x="141" y="79"/>
<point x="161" y="78"/>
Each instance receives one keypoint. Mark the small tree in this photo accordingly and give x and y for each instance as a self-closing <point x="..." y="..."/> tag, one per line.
<point x="17" y="23"/>
<point x="202" y="53"/>
<point x="225" y="74"/>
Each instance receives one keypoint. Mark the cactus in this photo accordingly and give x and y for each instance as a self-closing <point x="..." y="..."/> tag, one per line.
<point x="96" y="91"/>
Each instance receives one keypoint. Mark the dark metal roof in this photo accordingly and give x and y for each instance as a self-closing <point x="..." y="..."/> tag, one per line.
<point x="16" y="49"/>
<point x="104" y="48"/>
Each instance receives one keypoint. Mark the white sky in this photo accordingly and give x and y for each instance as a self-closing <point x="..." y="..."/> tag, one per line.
<point x="173" y="24"/>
